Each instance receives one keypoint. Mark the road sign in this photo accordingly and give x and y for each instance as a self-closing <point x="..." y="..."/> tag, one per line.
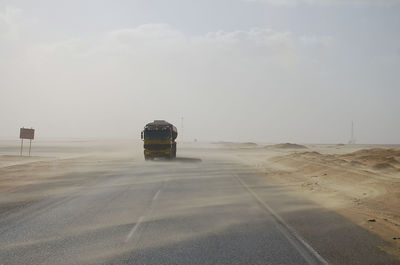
<point x="25" y="133"/>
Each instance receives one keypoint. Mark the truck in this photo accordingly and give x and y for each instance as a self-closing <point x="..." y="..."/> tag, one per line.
<point x="159" y="140"/>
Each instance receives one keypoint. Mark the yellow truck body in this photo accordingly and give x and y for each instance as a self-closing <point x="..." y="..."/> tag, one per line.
<point x="159" y="140"/>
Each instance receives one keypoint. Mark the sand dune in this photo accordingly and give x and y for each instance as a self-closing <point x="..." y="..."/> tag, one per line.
<point x="237" y="144"/>
<point x="287" y="146"/>
<point x="359" y="182"/>
<point x="377" y="158"/>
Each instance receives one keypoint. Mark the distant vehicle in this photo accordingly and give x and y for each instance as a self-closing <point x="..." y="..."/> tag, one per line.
<point x="159" y="140"/>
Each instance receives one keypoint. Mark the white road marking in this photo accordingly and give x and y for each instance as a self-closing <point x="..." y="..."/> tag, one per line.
<point x="156" y="195"/>
<point x="134" y="228"/>
<point x="287" y="230"/>
<point x="149" y="212"/>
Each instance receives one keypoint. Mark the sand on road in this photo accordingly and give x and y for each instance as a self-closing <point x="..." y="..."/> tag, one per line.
<point x="361" y="182"/>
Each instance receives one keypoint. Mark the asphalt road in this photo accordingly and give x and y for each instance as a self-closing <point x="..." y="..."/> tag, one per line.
<point x="202" y="208"/>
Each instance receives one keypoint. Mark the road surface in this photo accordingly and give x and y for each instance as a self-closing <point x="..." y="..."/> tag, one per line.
<point x="205" y="207"/>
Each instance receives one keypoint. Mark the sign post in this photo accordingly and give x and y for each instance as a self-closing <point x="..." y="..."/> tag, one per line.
<point x="30" y="145"/>
<point x="22" y="144"/>
<point x="25" y="133"/>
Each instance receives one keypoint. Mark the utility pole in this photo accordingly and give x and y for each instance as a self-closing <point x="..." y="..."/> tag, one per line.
<point x="352" y="130"/>
<point x="352" y="139"/>
<point x="182" y="129"/>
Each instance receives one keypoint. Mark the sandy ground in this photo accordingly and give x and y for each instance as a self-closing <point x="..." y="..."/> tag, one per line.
<point x="360" y="182"/>
<point x="53" y="168"/>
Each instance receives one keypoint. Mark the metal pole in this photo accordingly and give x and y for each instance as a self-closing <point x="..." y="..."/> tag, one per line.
<point x="182" y="129"/>
<point x="352" y="131"/>
<point x="22" y="144"/>
<point x="30" y="145"/>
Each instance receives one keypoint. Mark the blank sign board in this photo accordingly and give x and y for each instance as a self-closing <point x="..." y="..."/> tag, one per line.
<point x="26" y="133"/>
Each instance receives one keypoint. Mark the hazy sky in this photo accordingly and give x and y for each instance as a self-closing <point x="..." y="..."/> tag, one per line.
<point x="240" y="70"/>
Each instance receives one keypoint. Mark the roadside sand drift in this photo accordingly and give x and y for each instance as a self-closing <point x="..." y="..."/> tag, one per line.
<point x="287" y="146"/>
<point x="360" y="182"/>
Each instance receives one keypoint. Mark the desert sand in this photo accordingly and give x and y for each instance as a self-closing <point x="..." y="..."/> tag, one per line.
<point x="360" y="182"/>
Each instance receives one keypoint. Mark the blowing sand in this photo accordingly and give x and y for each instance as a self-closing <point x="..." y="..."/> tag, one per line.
<point x="360" y="182"/>
<point x="52" y="159"/>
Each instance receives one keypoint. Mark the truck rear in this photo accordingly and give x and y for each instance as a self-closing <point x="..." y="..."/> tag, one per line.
<point x="159" y="140"/>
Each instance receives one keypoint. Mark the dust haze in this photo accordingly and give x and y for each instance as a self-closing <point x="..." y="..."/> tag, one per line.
<point x="263" y="94"/>
<point x="102" y="70"/>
